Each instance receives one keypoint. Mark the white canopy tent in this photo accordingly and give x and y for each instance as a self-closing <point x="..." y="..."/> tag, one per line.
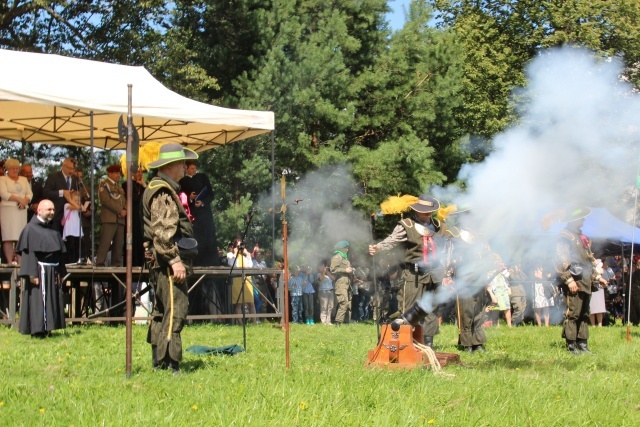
<point x="53" y="99"/>
<point x="49" y="99"/>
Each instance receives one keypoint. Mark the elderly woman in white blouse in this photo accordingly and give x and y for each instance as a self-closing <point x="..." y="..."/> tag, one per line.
<point x="16" y="195"/>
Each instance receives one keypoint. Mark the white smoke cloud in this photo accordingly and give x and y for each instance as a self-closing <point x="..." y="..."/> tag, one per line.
<point x="324" y="215"/>
<point x="576" y="144"/>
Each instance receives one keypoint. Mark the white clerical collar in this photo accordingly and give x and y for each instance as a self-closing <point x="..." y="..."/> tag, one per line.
<point x="40" y="219"/>
<point x="191" y="176"/>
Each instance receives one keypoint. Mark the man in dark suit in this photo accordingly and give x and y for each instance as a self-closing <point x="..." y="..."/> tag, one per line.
<point x="36" y="188"/>
<point x="58" y="188"/>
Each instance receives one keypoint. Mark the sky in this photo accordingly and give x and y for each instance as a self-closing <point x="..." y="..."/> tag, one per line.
<point x="396" y="16"/>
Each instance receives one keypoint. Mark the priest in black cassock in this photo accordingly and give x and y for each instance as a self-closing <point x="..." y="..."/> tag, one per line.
<point x="204" y="298"/>
<point x="41" y="247"/>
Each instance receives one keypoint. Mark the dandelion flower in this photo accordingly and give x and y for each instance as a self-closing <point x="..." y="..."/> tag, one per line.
<point x="1" y="403"/>
<point x="431" y="421"/>
<point x="194" y="407"/>
<point x="303" y="405"/>
<point x="42" y="410"/>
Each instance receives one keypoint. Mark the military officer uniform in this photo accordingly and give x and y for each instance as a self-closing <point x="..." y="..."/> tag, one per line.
<point x="112" y="222"/>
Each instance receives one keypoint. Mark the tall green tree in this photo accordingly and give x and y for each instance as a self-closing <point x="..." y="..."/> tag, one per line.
<point x="502" y="36"/>
<point x="406" y="126"/>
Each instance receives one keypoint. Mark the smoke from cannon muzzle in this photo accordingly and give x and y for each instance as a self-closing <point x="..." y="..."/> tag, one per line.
<point x="412" y="317"/>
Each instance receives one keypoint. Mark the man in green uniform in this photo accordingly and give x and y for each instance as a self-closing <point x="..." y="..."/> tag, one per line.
<point x="469" y="270"/>
<point x="574" y="264"/>
<point x="424" y="240"/>
<point x="341" y="270"/>
<point x="167" y="234"/>
<point x="112" y="218"/>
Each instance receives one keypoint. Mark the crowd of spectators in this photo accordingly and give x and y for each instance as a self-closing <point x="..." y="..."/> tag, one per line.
<point x="518" y="294"/>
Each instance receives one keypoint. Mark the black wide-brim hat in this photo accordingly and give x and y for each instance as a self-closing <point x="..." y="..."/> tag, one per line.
<point x="425" y="204"/>
<point x="170" y="153"/>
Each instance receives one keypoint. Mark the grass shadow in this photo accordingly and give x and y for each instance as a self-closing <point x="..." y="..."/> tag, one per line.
<point x="192" y="365"/>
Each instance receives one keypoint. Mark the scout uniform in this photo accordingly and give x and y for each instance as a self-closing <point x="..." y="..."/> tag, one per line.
<point x="339" y="268"/>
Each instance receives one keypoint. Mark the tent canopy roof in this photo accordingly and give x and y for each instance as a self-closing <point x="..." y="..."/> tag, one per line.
<point x="48" y="99"/>
<point x="601" y="224"/>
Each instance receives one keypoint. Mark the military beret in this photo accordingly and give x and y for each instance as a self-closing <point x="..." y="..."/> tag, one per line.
<point x="342" y="244"/>
<point x="114" y="169"/>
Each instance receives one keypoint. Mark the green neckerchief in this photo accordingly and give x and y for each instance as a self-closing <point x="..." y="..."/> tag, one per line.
<point x="342" y="254"/>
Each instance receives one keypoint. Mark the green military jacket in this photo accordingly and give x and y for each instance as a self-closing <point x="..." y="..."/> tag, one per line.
<point x="113" y="201"/>
<point x="164" y="219"/>
<point x="338" y="268"/>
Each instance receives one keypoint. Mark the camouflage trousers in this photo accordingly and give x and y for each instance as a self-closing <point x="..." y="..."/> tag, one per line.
<point x="169" y="316"/>
<point x="343" y="297"/>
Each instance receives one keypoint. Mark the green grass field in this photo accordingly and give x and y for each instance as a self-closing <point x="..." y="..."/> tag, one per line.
<point x="77" y="378"/>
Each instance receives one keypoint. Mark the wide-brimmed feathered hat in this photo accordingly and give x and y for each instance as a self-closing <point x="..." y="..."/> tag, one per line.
<point x="170" y="153"/>
<point x="425" y="204"/>
<point x="577" y="214"/>
<point x="564" y="215"/>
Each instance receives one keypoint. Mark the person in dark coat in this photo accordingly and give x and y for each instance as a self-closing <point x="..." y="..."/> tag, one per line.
<point x="197" y="186"/>
<point x="137" y="189"/>
<point x="58" y="188"/>
<point x="42" y="248"/>
<point x="205" y="298"/>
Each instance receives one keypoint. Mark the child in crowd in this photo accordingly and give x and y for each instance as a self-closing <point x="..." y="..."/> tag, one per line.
<point x="326" y="294"/>
<point x="307" y="295"/>
<point x="296" y="283"/>
<point x="72" y="229"/>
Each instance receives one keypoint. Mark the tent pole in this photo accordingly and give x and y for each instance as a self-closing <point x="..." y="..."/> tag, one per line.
<point x="128" y="223"/>
<point x="273" y="199"/>
<point x="633" y="240"/>
<point x="93" y="204"/>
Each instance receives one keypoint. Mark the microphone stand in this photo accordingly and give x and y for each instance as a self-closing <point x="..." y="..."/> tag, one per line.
<point x="240" y="253"/>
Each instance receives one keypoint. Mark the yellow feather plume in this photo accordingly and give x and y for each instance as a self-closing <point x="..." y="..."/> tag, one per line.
<point x="444" y="212"/>
<point x="552" y="218"/>
<point x="397" y="204"/>
<point x="147" y="153"/>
